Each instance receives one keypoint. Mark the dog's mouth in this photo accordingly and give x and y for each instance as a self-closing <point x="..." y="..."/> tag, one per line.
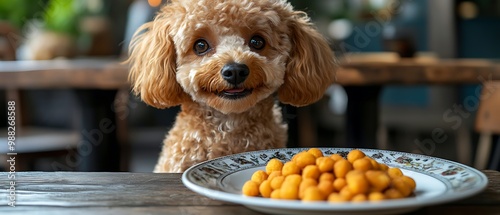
<point x="235" y="93"/>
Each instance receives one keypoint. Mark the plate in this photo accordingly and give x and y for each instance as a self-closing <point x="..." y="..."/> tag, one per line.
<point x="438" y="181"/>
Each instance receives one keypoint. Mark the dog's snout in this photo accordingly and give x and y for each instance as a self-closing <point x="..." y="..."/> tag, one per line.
<point x="235" y="73"/>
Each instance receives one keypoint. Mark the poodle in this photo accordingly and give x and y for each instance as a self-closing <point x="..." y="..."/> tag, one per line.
<point x="227" y="63"/>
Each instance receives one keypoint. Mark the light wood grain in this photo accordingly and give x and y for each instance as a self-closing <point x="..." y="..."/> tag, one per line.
<point x="412" y="72"/>
<point x="148" y="193"/>
<point x="102" y="189"/>
<point x="56" y="74"/>
<point x="120" y="210"/>
<point x="488" y="114"/>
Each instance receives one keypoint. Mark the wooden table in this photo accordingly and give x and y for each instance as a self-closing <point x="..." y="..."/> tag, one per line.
<point x="148" y="193"/>
<point x="408" y="72"/>
<point x="99" y="73"/>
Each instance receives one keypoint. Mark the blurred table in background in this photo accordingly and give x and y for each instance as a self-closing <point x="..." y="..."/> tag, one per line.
<point x="103" y="74"/>
<point x="357" y="72"/>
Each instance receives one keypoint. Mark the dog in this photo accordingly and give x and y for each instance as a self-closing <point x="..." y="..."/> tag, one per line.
<point x="227" y="63"/>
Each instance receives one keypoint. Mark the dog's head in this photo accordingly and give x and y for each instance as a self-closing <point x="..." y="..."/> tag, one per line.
<point x="229" y="55"/>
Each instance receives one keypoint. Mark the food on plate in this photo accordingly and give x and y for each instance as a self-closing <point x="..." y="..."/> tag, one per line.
<point x="313" y="176"/>
<point x="274" y="165"/>
<point x="250" y="188"/>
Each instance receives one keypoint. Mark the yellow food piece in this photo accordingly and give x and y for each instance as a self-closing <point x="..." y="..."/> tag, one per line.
<point x="316" y="152"/>
<point x="379" y="180"/>
<point x="394" y="172"/>
<point x="275" y="194"/>
<point x="307" y="182"/>
<point x="294" y="158"/>
<point x="265" y="189"/>
<point x="273" y="165"/>
<point x="277" y="182"/>
<point x="354" y="155"/>
<point x="382" y="167"/>
<point x="376" y="196"/>
<point x="290" y="187"/>
<point x="294" y="179"/>
<point x="313" y="194"/>
<point x="346" y="193"/>
<point x="273" y="175"/>
<point x="259" y="176"/>
<point x="410" y="182"/>
<point x="392" y="193"/>
<point x="313" y="176"/>
<point x="326" y="176"/>
<point x="311" y="171"/>
<point x="341" y="168"/>
<point x="357" y="182"/>
<point x="339" y="183"/>
<point x="400" y="185"/>
<point x="250" y="188"/>
<point x="290" y="168"/>
<point x="359" y="198"/>
<point x="363" y="164"/>
<point x="325" y="164"/>
<point x="289" y="191"/>
<point x="336" y="157"/>
<point x="374" y="163"/>
<point x="326" y="187"/>
<point x="304" y="159"/>
<point x="336" y="197"/>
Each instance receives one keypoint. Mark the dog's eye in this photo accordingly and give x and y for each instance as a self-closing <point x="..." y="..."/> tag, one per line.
<point x="201" y="47"/>
<point x="257" y="42"/>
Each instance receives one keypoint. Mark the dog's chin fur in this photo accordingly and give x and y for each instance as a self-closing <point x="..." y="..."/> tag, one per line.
<point x="202" y="133"/>
<point x="295" y="66"/>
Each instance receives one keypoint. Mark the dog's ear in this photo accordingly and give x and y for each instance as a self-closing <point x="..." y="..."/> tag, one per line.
<point x="152" y="59"/>
<point x="311" y="66"/>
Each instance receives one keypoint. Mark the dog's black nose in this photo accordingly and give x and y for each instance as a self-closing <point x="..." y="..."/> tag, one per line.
<point x="235" y="73"/>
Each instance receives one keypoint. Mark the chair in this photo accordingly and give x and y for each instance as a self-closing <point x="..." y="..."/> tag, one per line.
<point x="403" y="119"/>
<point x="487" y="124"/>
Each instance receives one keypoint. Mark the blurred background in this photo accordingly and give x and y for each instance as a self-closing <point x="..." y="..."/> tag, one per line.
<point x="101" y="29"/>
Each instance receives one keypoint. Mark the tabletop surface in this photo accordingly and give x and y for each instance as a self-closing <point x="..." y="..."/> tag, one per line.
<point x="98" y="73"/>
<point x="149" y="193"/>
<point x="447" y="71"/>
<point x="111" y="73"/>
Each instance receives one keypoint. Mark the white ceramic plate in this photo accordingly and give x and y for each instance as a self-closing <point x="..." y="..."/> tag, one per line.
<point x="438" y="181"/>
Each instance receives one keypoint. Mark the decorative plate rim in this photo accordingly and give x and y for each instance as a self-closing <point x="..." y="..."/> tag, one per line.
<point x="325" y="206"/>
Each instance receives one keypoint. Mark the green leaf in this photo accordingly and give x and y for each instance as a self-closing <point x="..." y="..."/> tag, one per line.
<point x="61" y="16"/>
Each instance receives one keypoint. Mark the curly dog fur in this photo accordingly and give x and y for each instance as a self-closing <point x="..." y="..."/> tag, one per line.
<point x="227" y="62"/>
